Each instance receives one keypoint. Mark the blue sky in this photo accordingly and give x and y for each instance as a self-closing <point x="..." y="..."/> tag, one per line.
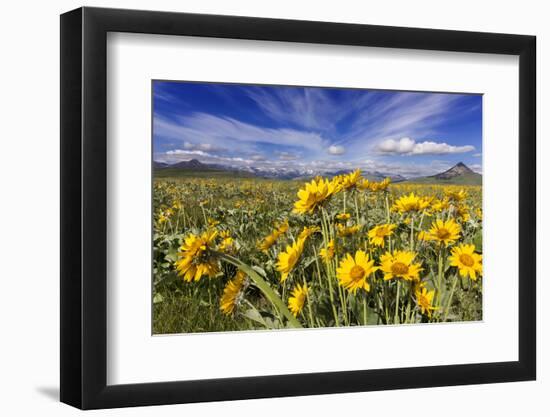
<point x="316" y="129"/>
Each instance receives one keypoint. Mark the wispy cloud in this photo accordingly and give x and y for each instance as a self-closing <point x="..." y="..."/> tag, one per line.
<point x="217" y="131"/>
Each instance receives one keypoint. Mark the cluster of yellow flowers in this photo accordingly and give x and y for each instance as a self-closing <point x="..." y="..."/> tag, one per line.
<point x="354" y="245"/>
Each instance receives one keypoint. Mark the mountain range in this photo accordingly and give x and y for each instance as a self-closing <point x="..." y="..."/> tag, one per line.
<point x="458" y="174"/>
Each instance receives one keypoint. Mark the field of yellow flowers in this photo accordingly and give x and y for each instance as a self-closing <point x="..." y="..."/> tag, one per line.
<point x="245" y="253"/>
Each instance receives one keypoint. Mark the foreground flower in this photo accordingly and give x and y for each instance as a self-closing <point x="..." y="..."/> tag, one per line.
<point x="456" y="195"/>
<point x="308" y="231"/>
<point x="344" y="231"/>
<point x="378" y="234"/>
<point x="462" y="213"/>
<point x="268" y="241"/>
<point x="314" y="194"/>
<point x="440" y="205"/>
<point x="196" y="260"/>
<point x="466" y="260"/>
<point x="380" y="186"/>
<point x="231" y="293"/>
<point x="399" y="264"/>
<point x="353" y="271"/>
<point x="445" y="232"/>
<point x="364" y="184"/>
<point x="328" y="253"/>
<point x="289" y="258"/>
<point x="297" y="299"/>
<point x="351" y="180"/>
<point x="411" y="203"/>
<point x="343" y="216"/>
<point x="227" y="243"/>
<point x="424" y="300"/>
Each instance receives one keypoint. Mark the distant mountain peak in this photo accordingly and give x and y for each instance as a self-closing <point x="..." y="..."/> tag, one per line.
<point x="456" y="171"/>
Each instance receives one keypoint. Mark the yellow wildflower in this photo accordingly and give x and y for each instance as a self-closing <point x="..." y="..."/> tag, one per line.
<point x="195" y="257"/>
<point x="353" y="272"/>
<point x="378" y="234"/>
<point x="297" y="299"/>
<point x="289" y="258"/>
<point x="466" y="260"/>
<point x="445" y="232"/>
<point x="399" y="264"/>
<point x="231" y="293"/>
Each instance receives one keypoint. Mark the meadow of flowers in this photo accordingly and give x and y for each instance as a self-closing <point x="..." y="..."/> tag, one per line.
<point x="245" y="253"/>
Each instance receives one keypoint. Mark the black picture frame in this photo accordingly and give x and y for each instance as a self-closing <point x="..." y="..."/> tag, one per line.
<point x="84" y="207"/>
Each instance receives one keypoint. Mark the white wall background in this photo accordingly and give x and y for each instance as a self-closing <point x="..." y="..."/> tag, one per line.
<point x="29" y="219"/>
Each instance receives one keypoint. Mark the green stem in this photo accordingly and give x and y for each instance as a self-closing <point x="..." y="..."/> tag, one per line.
<point x="365" y="309"/>
<point x="264" y="288"/>
<point x="412" y="233"/>
<point x="396" y="318"/>
<point x="450" y="298"/>
<point x="326" y="239"/>
<point x="308" y="301"/>
<point x="439" y="274"/>
<point x="356" y="209"/>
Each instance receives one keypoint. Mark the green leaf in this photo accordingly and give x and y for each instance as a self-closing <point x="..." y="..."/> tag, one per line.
<point x="158" y="298"/>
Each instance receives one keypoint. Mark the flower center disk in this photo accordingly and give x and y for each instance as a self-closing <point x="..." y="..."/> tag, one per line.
<point x="357" y="273"/>
<point x="466" y="260"/>
<point x="399" y="268"/>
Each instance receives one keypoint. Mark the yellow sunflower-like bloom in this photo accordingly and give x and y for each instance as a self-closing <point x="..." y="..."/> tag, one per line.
<point x="314" y="194"/>
<point x="424" y="299"/>
<point x="267" y="242"/>
<point x="445" y="232"/>
<point x="351" y="180"/>
<point x="399" y="264"/>
<point x="297" y="299"/>
<point x="343" y="216"/>
<point x="378" y="234"/>
<point x="353" y="272"/>
<point x="282" y="227"/>
<point x="466" y="260"/>
<point x="411" y="203"/>
<point x="456" y="195"/>
<point x="462" y="213"/>
<point x="195" y="260"/>
<point x="289" y="258"/>
<point x="380" y="186"/>
<point x="308" y="231"/>
<point x="344" y="231"/>
<point x="440" y="205"/>
<point x="328" y="253"/>
<point x="227" y="244"/>
<point x="213" y="222"/>
<point x="364" y="184"/>
<point x="231" y="293"/>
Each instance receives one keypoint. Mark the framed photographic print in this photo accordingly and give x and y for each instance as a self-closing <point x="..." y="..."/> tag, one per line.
<point x="258" y="207"/>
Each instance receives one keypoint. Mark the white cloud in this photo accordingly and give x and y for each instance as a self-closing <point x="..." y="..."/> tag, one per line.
<point x="187" y="152"/>
<point x="477" y="155"/>
<point x="477" y="168"/>
<point x="336" y="150"/>
<point x="287" y="156"/>
<point x="201" y="146"/>
<point x="408" y="146"/>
